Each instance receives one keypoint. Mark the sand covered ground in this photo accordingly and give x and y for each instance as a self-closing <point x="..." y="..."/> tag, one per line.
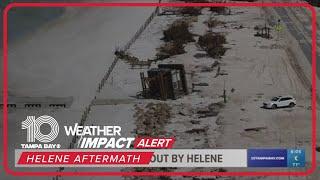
<point x="69" y="56"/>
<point x="256" y="69"/>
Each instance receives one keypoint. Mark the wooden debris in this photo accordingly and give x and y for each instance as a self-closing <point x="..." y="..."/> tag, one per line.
<point x="257" y="129"/>
<point x="196" y="131"/>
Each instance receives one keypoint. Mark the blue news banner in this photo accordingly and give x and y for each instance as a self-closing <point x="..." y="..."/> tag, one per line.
<point x="292" y="158"/>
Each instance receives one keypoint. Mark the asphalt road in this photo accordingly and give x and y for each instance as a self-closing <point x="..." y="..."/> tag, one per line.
<point x="304" y="43"/>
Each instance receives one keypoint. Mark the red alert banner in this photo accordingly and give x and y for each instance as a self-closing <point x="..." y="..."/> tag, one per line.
<point x="84" y="158"/>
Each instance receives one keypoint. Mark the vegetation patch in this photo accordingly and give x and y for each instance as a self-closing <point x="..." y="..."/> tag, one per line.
<point x="175" y="37"/>
<point x="178" y="31"/>
<point x="212" y="43"/>
<point x="220" y="10"/>
<point x="192" y="11"/>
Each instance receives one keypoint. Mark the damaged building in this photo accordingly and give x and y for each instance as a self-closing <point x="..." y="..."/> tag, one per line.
<point x="168" y="81"/>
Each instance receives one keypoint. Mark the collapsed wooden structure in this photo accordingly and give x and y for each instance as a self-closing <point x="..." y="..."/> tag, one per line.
<point x="168" y="81"/>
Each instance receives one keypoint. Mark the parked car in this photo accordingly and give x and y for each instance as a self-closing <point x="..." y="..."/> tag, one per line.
<point x="280" y="101"/>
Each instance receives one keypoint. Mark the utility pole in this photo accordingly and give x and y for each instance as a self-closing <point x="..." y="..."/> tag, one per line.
<point x="224" y="91"/>
<point x="278" y="29"/>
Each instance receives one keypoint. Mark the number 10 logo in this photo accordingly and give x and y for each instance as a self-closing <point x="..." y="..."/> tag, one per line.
<point x="33" y="128"/>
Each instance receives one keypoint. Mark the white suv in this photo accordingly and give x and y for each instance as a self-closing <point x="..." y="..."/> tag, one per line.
<point x="280" y="101"/>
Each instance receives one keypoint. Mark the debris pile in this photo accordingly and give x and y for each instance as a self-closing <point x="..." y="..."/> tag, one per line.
<point x="170" y="49"/>
<point x="212" y="110"/>
<point x="257" y="129"/>
<point x="197" y="131"/>
<point x="151" y="119"/>
<point x="132" y="60"/>
<point x="213" y="22"/>
<point x="150" y="122"/>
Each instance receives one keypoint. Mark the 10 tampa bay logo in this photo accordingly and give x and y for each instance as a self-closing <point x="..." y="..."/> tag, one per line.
<point x="37" y="139"/>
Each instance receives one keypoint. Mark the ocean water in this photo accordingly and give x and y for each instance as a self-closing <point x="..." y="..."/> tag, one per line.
<point x="23" y="21"/>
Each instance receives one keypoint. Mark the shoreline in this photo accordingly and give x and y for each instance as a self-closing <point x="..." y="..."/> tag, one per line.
<point x="24" y="22"/>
